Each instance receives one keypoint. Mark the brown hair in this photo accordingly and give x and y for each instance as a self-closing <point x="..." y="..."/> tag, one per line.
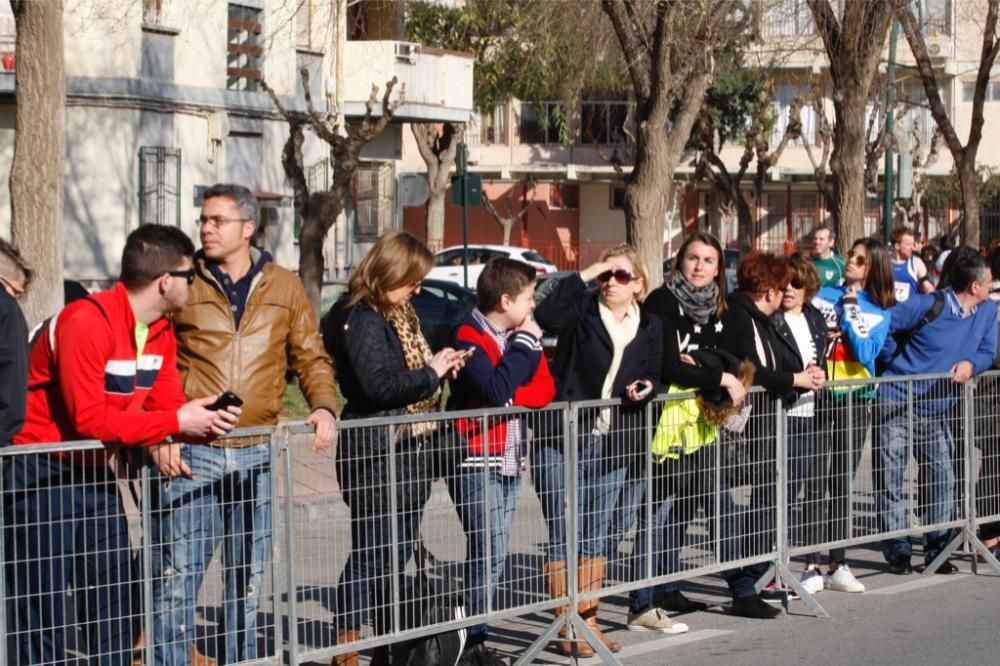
<point x="397" y="259"/>
<point x="720" y="279"/>
<point x="151" y="251"/>
<point x="11" y="263"/>
<point x="899" y="232"/>
<point x="629" y="252"/>
<point x="502" y="276"/>
<point x="760" y="271"/>
<point x="803" y="269"/>
<point x="879" y="283"/>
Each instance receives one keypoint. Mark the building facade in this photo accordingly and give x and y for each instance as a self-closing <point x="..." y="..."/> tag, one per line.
<point x="164" y="98"/>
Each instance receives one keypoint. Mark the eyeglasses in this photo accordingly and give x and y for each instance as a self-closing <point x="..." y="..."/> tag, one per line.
<point x="859" y="260"/>
<point x="796" y="283"/>
<point x="621" y="276"/>
<point x="218" y="221"/>
<point x="16" y="292"/>
<point x="188" y="275"/>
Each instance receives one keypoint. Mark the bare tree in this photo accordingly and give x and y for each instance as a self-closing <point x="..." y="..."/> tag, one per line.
<point x="853" y="43"/>
<point x="964" y="156"/>
<point x="924" y="155"/>
<point x="507" y="221"/>
<point x="669" y="57"/>
<point x="437" y="148"/>
<point x="319" y="210"/>
<point x="36" y="175"/>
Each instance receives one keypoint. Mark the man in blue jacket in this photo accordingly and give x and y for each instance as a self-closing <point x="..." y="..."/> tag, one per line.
<point x="960" y="341"/>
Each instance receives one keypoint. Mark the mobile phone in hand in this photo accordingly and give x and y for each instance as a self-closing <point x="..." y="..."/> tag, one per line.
<point x="642" y="388"/>
<point x="466" y="353"/>
<point x="227" y="399"/>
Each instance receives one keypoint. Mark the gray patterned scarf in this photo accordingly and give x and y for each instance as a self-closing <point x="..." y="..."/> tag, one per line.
<point x="698" y="304"/>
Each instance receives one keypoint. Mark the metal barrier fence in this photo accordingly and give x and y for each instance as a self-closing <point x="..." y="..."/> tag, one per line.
<point x="279" y="554"/>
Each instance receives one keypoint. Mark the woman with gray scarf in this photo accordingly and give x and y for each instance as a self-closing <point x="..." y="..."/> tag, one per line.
<point x="690" y="304"/>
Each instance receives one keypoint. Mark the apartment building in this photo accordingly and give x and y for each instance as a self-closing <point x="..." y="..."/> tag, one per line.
<point x="578" y="194"/>
<point x="164" y="98"/>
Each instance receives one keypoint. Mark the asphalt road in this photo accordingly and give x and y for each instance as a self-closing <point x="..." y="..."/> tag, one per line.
<point x="909" y="620"/>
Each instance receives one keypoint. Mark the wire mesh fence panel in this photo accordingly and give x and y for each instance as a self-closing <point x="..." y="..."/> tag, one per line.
<point x="211" y="545"/>
<point x="460" y="541"/>
<point x="986" y="456"/>
<point x="71" y="579"/>
<point x="917" y="462"/>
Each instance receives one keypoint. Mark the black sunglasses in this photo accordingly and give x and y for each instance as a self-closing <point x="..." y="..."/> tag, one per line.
<point x="188" y="275"/>
<point x="621" y="276"/>
<point x="796" y="283"/>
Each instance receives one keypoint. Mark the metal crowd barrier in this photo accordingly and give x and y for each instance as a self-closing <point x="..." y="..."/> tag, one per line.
<point x="363" y="546"/>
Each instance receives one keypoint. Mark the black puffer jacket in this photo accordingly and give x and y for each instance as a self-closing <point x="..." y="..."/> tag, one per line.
<point x="375" y="381"/>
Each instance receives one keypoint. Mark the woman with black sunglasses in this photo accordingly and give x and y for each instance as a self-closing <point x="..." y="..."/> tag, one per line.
<point x="857" y="315"/>
<point x="608" y="348"/>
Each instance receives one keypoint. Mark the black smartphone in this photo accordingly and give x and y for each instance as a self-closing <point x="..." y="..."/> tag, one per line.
<point x="227" y="399"/>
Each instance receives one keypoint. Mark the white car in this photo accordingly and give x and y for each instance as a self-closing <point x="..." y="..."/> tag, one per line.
<point x="448" y="264"/>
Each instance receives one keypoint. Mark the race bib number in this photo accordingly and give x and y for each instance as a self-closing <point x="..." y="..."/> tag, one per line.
<point x="902" y="291"/>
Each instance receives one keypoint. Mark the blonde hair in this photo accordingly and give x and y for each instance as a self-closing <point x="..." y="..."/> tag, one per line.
<point x="638" y="265"/>
<point x="397" y="259"/>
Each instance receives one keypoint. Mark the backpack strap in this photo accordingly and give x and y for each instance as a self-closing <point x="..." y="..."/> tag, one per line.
<point x="903" y="338"/>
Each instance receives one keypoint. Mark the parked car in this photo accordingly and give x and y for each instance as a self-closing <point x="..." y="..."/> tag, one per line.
<point x="448" y="263"/>
<point x="440" y="306"/>
<point x="732" y="258"/>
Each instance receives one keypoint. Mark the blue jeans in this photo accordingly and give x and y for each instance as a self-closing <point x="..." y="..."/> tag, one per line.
<point x="934" y="449"/>
<point x="472" y="490"/>
<point x="626" y="511"/>
<point x="600" y="482"/>
<point x="228" y="501"/>
<point x="64" y="525"/>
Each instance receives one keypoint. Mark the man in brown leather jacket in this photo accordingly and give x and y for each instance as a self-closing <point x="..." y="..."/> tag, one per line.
<point x="246" y="321"/>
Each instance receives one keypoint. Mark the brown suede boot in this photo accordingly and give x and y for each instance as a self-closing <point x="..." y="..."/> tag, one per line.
<point x="555" y="574"/>
<point x="591" y="580"/>
<point x="197" y="658"/>
<point x="348" y="658"/>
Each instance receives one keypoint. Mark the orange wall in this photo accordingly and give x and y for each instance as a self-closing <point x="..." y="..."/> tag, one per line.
<point x="554" y="232"/>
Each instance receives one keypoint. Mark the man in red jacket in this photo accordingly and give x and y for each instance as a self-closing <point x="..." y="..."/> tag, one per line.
<point x="104" y="368"/>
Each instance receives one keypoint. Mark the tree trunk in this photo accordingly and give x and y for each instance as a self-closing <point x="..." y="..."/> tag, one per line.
<point x="36" y="175"/>
<point x="312" y="269"/>
<point x="645" y="198"/>
<point x="435" y="219"/>
<point x="744" y="223"/>
<point x="969" y="183"/>
<point x="508" y="225"/>
<point x="847" y="164"/>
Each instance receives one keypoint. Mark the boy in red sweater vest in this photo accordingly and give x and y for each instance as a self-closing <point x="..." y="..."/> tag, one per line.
<point x="506" y="369"/>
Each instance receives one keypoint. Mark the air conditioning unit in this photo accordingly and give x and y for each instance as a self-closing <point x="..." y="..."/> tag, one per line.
<point x="939" y="48"/>
<point x="407" y="52"/>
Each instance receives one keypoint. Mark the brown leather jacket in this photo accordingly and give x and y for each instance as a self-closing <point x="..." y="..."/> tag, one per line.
<point x="277" y="329"/>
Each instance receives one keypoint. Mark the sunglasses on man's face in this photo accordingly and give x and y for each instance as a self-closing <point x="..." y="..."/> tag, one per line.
<point x="621" y="276"/>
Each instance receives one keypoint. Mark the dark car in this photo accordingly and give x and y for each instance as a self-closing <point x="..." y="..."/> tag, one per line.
<point x="440" y="306"/>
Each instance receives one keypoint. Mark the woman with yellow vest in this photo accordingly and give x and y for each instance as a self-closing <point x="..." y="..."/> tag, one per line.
<point x="690" y="304"/>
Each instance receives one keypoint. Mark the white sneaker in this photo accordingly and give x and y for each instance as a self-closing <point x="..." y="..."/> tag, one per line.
<point x="842" y="580"/>
<point x="655" y="619"/>
<point x="812" y="580"/>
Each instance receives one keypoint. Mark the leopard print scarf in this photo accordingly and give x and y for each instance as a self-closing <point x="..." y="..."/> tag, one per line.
<point x="404" y="321"/>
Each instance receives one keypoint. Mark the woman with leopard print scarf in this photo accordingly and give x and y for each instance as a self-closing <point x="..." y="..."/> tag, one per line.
<point x="385" y="368"/>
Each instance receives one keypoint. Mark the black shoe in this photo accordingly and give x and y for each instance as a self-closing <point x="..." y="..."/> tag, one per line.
<point x="480" y="655"/>
<point x="901" y="566"/>
<point x="676" y="602"/>
<point x="754" y="608"/>
<point x="947" y="568"/>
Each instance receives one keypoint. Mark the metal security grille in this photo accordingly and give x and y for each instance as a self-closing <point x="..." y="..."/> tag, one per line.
<point x="372" y="199"/>
<point x="159" y="185"/>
